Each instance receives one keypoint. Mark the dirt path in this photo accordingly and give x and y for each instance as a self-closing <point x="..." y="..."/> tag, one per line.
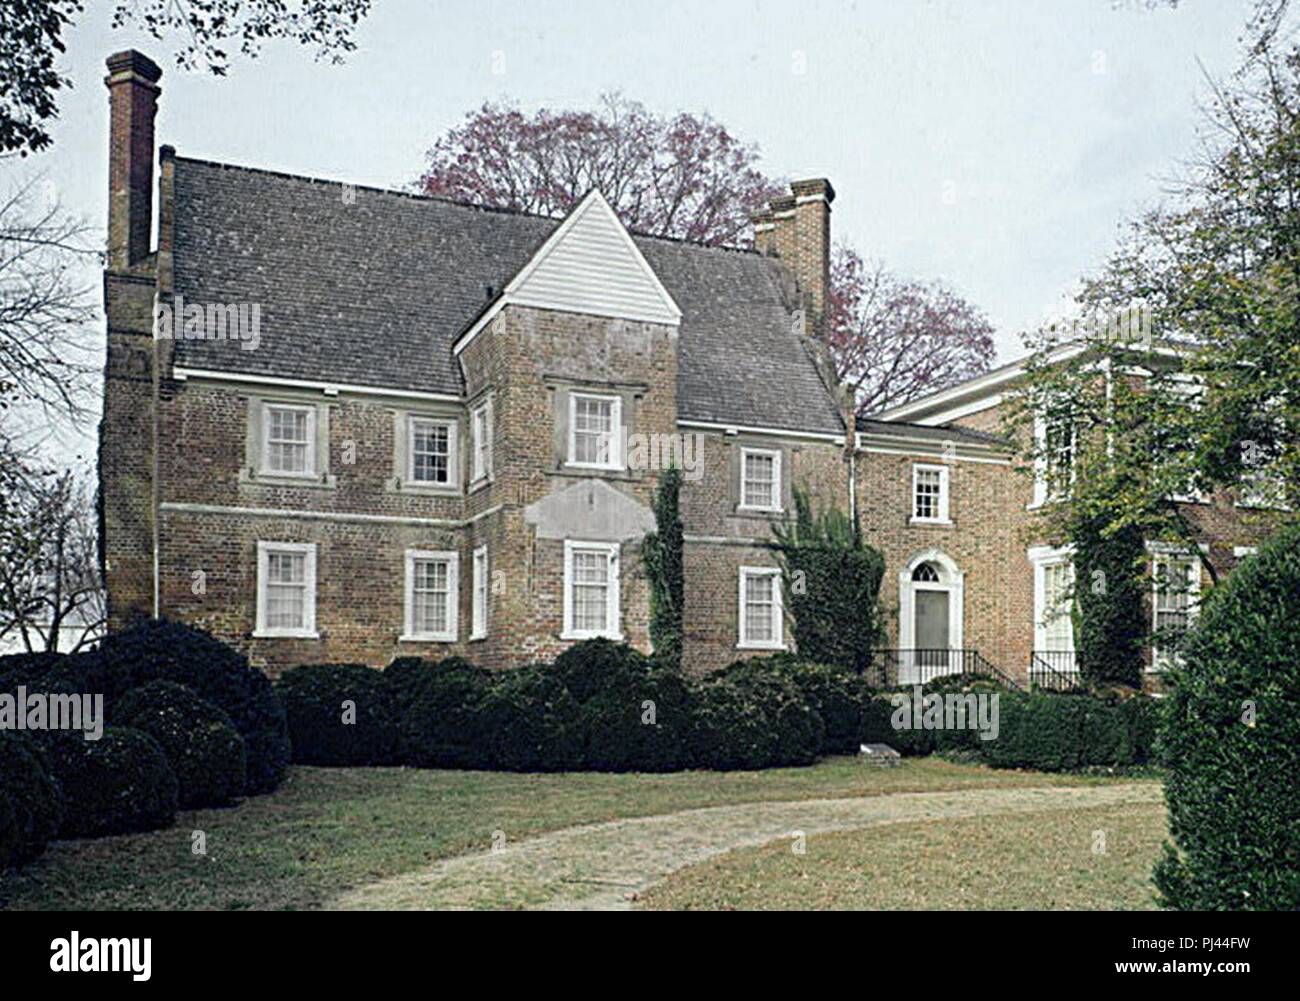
<point x="605" y="866"/>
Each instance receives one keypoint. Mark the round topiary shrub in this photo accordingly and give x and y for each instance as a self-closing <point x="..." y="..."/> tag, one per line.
<point x="31" y="800"/>
<point x="339" y="714"/>
<point x="639" y="725"/>
<point x="443" y="727"/>
<point x="1229" y="739"/>
<point x="203" y="748"/>
<point x="115" y="785"/>
<point x="530" y="722"/>
<point x="407" y="677"/>
<point x="588" y="667"/>
<point x="836" y="694"/>
<point x="880" y="714"/>
<point x="171" y="651"/>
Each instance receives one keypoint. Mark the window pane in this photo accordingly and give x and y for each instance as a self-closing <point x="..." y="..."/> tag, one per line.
<point x="590" y="598"/>
<point x="593" y="429"/>
<point x="929" y="483"/>
<point x="1058" y="629"/>
<point x="431" y="596"/>
<point x="430" y="452"/>
<point x="760" y="480"/>
<point x="760" y="608"/>
<point x="286" y="440"/>
<point x="286" y="590"/>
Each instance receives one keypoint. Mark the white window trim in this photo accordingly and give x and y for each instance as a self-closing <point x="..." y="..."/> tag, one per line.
<point x="480" y="447"/>
<point x="778" y="611"/>
<point x="1042" y="496"/>
<point x="943" y="518"/>
<point x="1043" y="557"/>
<point x="1162" y="660"/>
<point x="775" y="454"/>
<point x="308" y="628"/>
<point x="613" y="620"/>
<point x="453" y="463"/>
<point x="479" y="596"/>
<point x="452" y="559"/>
<point x="263" y="464"/>
<point x="1241" y="552"/>
<point x="615" y="427"/>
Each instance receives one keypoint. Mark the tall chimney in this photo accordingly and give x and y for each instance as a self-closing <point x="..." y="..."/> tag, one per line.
<point x="133" y="90"/>
<point x="797" y="228"/>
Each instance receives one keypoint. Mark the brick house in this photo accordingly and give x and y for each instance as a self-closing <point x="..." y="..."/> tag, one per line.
<point x="347" y="424"/>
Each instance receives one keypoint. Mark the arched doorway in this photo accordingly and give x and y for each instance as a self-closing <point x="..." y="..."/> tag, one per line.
<point x="930" y="617"/>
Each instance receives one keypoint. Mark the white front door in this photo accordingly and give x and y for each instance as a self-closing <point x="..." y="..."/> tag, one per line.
<point x="930" y="626"/>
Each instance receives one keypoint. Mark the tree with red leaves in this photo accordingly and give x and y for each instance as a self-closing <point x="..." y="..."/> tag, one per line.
<point x="687" y="177"/>
<point x="684" y="176"/>
<point x="895" y="339"/>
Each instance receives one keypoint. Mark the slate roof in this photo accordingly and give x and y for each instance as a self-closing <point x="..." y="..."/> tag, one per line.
<point x="375" y="292"/>
<point x="929" y="433"/>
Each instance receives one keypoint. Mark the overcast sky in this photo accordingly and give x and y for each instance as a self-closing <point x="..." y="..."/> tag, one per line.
<point x="997" y="145"/>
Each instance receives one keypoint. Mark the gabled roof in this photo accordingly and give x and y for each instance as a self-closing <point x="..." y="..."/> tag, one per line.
<point x="374" y="289"/>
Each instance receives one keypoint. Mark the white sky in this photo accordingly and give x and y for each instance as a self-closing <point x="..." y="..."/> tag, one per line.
<point x="998" y="145"/>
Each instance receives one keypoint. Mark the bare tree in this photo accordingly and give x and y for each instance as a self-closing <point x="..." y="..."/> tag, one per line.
<point x="45" y="300"/>
<point x="895" y="339"/>
<point x="50" y="581"/>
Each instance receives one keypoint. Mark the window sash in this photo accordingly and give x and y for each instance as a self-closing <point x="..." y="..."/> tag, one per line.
<point x="286" y="589"/>
<point x="929" y="493"/>
<point x="760" y="608"/>
<point x="479" y="611"/>
<point x="1058" y="626"/>
<point x="480" y="431"/>
<point x="287" y="440"/>
<point x="591" y="590"/>
<point x="430" y="447"/>
<point x="593" y="430"/>
<point x="431" y="595"/>
<point x="760" y="479"/>
<point x="1175" y="585"/>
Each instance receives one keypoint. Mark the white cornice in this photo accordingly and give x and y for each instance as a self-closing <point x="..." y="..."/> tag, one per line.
<point x="183" y="374"/>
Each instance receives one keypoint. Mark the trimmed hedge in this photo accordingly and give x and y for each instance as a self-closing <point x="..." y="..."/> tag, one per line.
<point x="323" y="731"/>
<point x="443" y="727"/>
<point x="407" y="677"/>
<point x="118" y="784"/>
<point x="586" y="668"/>
<point x="754" y="721"/>
<point x="837" y="695"/>
<point x="203" y="748"/>
<point x="171" y="651"/>
<point x="31" y="800"/>
<point x="1229" y="738"/>
<point x="622" y="733"/>
<point x="530" y="722"/>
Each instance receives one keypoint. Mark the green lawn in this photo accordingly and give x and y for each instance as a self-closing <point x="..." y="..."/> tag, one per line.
<point x="328" y="830"/>
<point x="1041" y="861"/>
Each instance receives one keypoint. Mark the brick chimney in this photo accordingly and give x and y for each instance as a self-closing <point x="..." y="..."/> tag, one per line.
<point x="133" y="90"/>
<point x="797" y="228"/>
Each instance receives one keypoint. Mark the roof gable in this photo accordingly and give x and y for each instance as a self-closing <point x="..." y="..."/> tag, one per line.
<point x="590" y="265"/>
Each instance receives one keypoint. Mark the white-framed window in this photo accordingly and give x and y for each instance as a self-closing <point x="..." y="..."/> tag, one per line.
<point x="1176" y="587"/>
<point x="288" y="439"/>
<point x="431" y="595"/>
<point x="1053" y="598"/>
<point x="760" y="479"/>
<point x="762" y="624"/>
<point x="594" y="425"/>
<point x="286" y="589"/>
<point x="430" y="451"/>
<point x="480" y="424"/>
<point x="1055" y="438"/>
<point x="591" y="590"/>
<point x="479" y="599"/>
<point x="930" y="494"/>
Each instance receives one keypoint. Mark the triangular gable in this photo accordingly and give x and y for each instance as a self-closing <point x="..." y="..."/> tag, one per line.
<point x="590" y="265"/>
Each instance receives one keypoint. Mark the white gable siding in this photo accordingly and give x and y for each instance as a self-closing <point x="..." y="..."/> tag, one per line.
<point x="590" y="265"/>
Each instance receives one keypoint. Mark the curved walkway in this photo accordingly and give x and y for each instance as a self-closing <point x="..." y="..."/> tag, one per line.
<point x="606" y="866"/>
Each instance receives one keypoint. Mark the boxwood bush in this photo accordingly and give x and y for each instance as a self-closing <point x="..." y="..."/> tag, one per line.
<point x="203" y="748"/>
<point x="407" y="677"/>
<point x="31" y="800"/>
<point x="588" y="667"/>
<point x="530" y="722"/>
<point x="115" y="785"/>
<point x="443" y="727"/>
<point x="753" y="721"/>
<point x="339" y="714"/>
<point x="639" y="724"/>
<point x="1229" y="738"/>
<point x="172" y="651"/>
<point x="836" y="694"/>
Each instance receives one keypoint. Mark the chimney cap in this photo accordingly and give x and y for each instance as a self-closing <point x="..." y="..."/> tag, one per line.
<point x="814" y="187"/>
<point x="136" y="62"/>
